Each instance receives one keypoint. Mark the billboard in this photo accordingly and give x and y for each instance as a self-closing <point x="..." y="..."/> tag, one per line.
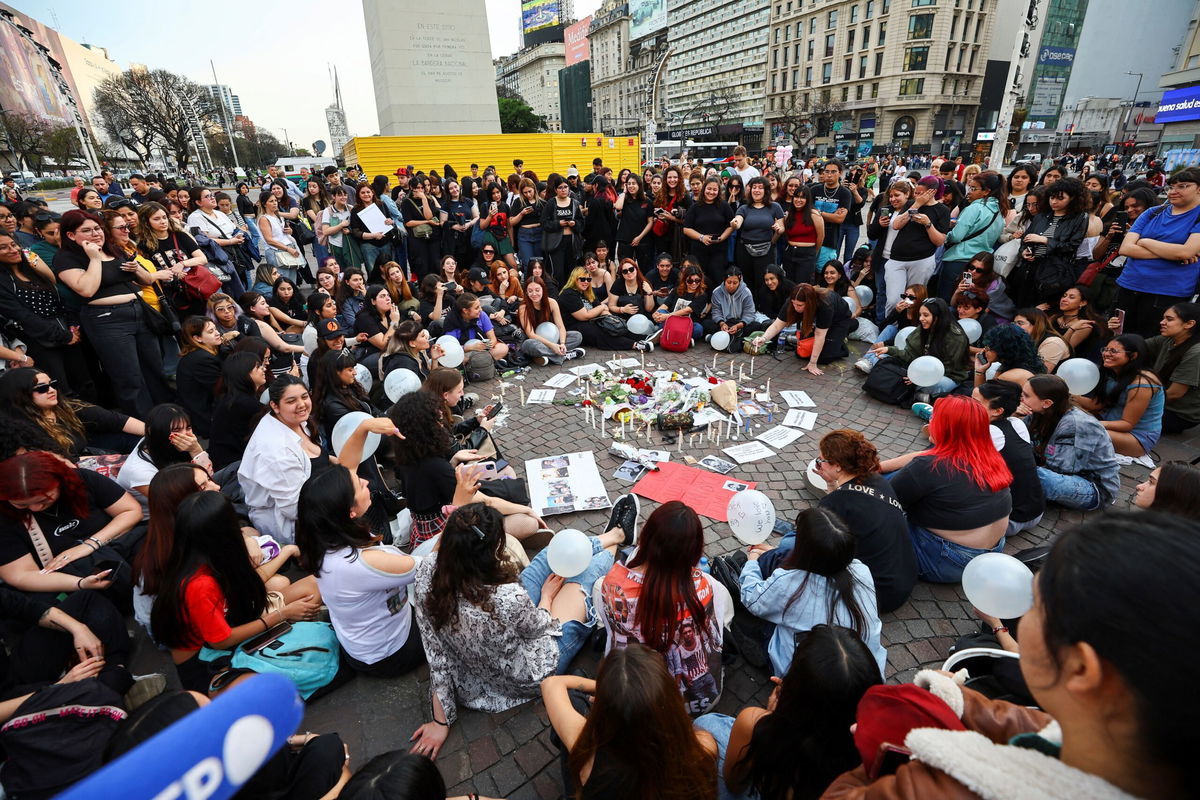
<point x="1056" y="56"/>
<point x="1047" y="97"/>
<point x="28" y="86"/>
<point x="1179" y="105"/>
<point x="539" y="14"/>
<point x="646" y="16"/>
<point x="575" y="39"/>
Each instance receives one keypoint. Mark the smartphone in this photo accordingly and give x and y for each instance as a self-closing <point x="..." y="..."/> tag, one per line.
<point x="491" y="411"/>
<point x="981" y="358"/>
<point x="967" y="276"/>
<point x="489" y="469"/>
<point x="1120" y="322"/>
<point x="1121" y="218"/>
<point x="911" y="212"/>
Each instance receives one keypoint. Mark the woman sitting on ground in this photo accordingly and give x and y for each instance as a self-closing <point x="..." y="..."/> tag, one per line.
<point x="364" y="583"/>
<point x="1173" y="488"/>
<point x="955" y="493"/>
<point x="984" y="279"/>
<point x="199" y="371"/>
<point x="802" y="740"/>
<point x="661" y="599"/>
<point x="169" y="440"/>
<point x="939" y="335"/>
<point x="410" y="348"/>
<point x="819" y="582"/>
<point x="77" y="427"/>
<point x="691" y="299"/>
<point x="582" y="311"/>
<point x="637" y="718"/>
<point x="468" y="590"/>
<point x="1001" y="398"/>
<point x="1129" y="400"/>
<point x="774" y="294"/>
<point x="255" y="308"/>
<point x="1092" y="663"/>
<point x="1080" y="327"/>
<point x="1010" y="349"/>
<point x="243" y="376"/>
<point x="373" y="325"/>
<point x="1076" y="462"/>
<point x="905" y="314"/>
<point x="210" y="594"/>
<point x="538" y="309"/>
<point x="287" y="306"/>
<point x="973" y="304"/>
<point x="350" y="297"/>
<point x="400" y="288"/>
<point x="1176" y="360"/>
<point x="467" y="323"/>
<point x="630" y="293"/>
<point x="822" y="323"/>
<point x="1052" y="348"/>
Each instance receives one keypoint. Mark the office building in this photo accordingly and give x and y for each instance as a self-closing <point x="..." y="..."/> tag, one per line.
<point x="532" y="72"/>
<point x="1179" y="109"/>
<point x="628" y="65"/>
<point x="225" y="98"/>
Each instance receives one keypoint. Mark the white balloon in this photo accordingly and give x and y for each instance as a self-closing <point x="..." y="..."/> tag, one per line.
<point x="1080" y="374"/>
<point x="265" y="397"/>
<point x="569" y="553"/>
<point x="400" y="382"/>
<point x="751" y="516"/>
<point x="998" y="585"/>
<point x="971" y="328"/>
<point x="309" y="339"/>
<point x="548" y="331"/>
<point x="452" y="351"/>
<point x="814" y="477"/>
<point x="850" y="304"/>
<point x="639" y="325"/>
<point x="926" y="371"/>
<point x="719" y="340"/>
<point x="363" y="376"/>
<point x="865" y="295"/>
<point x="902" y="336"/>
<point x="348" y="425"/>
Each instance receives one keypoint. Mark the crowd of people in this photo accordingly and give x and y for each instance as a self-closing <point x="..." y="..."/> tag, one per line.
<point x="195" y="385"/>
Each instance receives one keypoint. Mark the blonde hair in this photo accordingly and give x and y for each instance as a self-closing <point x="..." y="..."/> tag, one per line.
<point x="576" y="274"/>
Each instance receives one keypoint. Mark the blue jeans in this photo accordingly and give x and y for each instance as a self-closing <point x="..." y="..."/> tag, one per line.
<point x="529" y="245"/>
<point x="720" y="726"/>
<point x="944" y="386"/>
<point x="370" y="254"/>
<point x="941" y="560"/>
<point x="887" y="336"/>
<point x="574" y="633"/>
<point x="848" y="234"/>
<point x="1072" y="491"/>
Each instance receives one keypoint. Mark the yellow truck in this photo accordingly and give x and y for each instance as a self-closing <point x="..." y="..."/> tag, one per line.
<point x="543" y="153"/>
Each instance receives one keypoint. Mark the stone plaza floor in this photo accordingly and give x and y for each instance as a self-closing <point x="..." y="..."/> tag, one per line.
<point x="510" y="755"/>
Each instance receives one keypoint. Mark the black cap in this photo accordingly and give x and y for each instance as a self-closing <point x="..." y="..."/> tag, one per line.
<point x="478" y="274"/>
<point x="331" y="329"/>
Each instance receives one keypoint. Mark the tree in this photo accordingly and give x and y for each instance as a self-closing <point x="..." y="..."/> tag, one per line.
<point x="516" y="116"/>
<point x="26" y="134"/>
<point x="145" y="108"/>
<point x="303" y="152"/>
<point x="63" y="146"/>
<point x="801" y="119"/>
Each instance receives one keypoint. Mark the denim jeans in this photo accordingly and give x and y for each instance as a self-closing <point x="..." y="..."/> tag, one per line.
<point x="370" y="253"/>
<point x="941" y="560"/>
<point x="529" y="245"/>
<point x="574" y="633"/>
<point x="129" y="353"/>
<point x="535" y="349"/>
<point x="1072" y="491"/>
<point x="944" y="386"/>
<point x="887" y="335"/>
<point x="721" y="727"/>
<point x="848" y="234"/>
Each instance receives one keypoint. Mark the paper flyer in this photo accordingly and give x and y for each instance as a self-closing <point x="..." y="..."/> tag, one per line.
<point x="564" y="483"/>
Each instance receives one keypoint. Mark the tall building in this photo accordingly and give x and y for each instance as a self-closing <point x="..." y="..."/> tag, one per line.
<point x="532" y="72"/>
<point x="877" y="76"/>
<point x="431" y="67"/>
<point x="1179" y="109"/>
<point x="718" y="64"/>
<point x="628" y="44"/>
<point x="224" y="97"/>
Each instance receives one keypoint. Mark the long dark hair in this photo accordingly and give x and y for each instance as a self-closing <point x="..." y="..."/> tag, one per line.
<point x="235" y="376"/>
<point x="323" y="518"/>
<point x="471" y="563"/>
<point x="208" y="534"/>
<point x="825" y="547"/>
<point x="803" y="190"/>
<point x="1178" y="490"/>
<point x="396" y="774"/>
<point x="167" y="490"/>
<point x="294" y="307"/>
<point x="156" y="445"/>
<point x="16" y="398"/>
<point x="28" y="272"/>
<point x="418" y="417"/>
<point x="1085" y="597"/>
<point x="1136" y="369"/>
<point x="1188" y="312"/>
<point x="944" y="325"/>
<point x="1043" y="423"/>
<point x="671" y="544"/>
<point x="805" y="743"/>
<point x="638" y="719"/>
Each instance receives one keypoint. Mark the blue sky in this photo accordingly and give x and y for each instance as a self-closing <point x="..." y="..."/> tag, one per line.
<point x="282" y="79"/>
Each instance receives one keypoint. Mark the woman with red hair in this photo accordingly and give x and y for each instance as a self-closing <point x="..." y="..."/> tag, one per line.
<point x="661" y="599"/>
<point x="955" y="493"/>
<point x="59" y="523"/>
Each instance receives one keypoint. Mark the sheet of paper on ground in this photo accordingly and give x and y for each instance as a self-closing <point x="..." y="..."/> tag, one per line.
<point x="751" y="451"/>
<point x="703" y="491"/>
<point x="797" y="400"/>
<point x="565" y="483"/>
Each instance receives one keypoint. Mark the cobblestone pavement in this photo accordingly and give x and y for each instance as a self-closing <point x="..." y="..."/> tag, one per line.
<point x="510" y="755"/>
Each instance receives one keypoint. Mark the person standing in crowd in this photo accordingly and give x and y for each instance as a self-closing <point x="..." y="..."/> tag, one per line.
<point x="804" y="233"/>
<point x="372" y="243"/>
<point x="977" y="229"/>
<point x="423" y="219"/>
<point x="921" y="227"/>
<point x="635" y="212"/>
<point x="562" y="224"/>
<point x="708" y="224"/>
<point x="833" y="201"/>
<point x="758" y="222"/>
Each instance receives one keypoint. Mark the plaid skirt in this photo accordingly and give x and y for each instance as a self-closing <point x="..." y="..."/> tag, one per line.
<point x="427" y="526"/>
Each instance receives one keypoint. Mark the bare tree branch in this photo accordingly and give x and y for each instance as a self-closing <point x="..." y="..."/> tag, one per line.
<point x="26" y="134"/>
<point x="146" y="108"/>
<point x="801" y="120"/>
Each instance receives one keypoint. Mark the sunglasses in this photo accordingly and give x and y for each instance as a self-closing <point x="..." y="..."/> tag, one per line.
<point x="908" y="296"/>
<point x="583" y="280"/>
<point x="42" y="388"/>
<point x="628" y="271"/>
<point x="692" y="280"/>
<point x="978" y="269"/>
<point x="488" y="252"/>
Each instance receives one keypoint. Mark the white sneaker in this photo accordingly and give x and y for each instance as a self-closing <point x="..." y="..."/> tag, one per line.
<point x="645" y="346"/>
<point x="864" y="366"/>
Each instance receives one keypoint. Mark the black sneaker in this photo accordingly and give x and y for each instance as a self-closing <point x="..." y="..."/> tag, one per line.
<point x="625" y="516"/>
<point x="644" y="345"/>
<point x="576" y="352"/>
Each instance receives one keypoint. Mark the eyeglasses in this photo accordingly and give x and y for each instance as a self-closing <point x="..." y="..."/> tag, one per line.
<point x="220" y="309"/>
<point x="120" y="227"/>
<point x="908" y="296"/>
<point x="85" y="231"/>
<point x="42" y="388"/>
<point x="488" y="252"/>
<point x="1110" y="351"/>
<point x="628" y="271"/>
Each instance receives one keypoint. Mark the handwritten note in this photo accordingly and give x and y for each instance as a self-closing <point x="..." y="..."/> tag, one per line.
<point x="797" y="400"/>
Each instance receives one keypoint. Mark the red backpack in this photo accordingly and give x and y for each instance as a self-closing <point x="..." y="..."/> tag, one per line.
<point x="676" y="334"/>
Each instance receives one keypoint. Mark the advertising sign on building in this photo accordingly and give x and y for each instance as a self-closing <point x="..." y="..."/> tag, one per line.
<point x="1179" y="105"/>
<point x="575" y="41"/>
<point x="1047" y="97"/>
<point x="646" y="16"/>
<point x="538" y="14"/>
<point x="1056" y="56"/>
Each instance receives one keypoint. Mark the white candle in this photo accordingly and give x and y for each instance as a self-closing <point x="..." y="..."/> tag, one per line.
<point x="768" y="387"/>
<point x="602" y="433"/>
<point x="751" y="367"/>
<point x="681" y="441"/>
<point x="522" y="395"/>
<point x="714" y="366"/>
<point x="643" y="361"/>
<point x="731" y="368"/>
<point x="742" y="373"/>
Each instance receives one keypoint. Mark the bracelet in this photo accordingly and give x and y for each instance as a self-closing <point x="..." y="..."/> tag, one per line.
<point x="79" y="583"/>
<point x="266" y="627"/>
<point x="436" y="721"/>
<point x="999" y="629"/>
<point x="93" y="545"/>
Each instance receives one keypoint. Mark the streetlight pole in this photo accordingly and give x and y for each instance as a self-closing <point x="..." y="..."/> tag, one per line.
<point x="287" y="141"/>
<point x="1138" y="129"/>
<point x="225" y="116"/>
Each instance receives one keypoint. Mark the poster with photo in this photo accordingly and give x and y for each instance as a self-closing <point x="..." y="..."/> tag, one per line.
<point x="564" y="483"/>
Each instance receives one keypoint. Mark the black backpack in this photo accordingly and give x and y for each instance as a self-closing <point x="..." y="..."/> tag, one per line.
<point x="886" y="383"/>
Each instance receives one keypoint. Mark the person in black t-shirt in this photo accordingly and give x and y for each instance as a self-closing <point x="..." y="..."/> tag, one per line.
<point x="864" y="500"/>
<point x="833" y="200"/>
<point x="819" y="315"/>
<point x="664" y="277"/>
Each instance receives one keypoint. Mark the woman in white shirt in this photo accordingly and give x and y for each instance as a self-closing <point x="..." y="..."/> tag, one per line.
<point x="334" y="222"/>
<point x="364" y="584"/>
<point x="169" y="440"/>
